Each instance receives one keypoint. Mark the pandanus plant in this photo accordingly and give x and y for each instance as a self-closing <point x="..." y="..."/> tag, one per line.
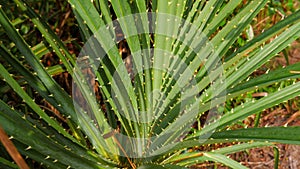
<point x="153" y="108"/>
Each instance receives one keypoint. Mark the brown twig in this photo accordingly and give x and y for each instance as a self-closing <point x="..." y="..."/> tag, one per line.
<point x="112" y="134"/>
<point x="292" y="118"/>
<point x="12" y="150"/>
<point x="126" y="155"/>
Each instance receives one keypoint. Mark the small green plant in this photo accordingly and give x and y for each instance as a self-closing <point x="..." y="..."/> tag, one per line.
<point x="180" y="72"/>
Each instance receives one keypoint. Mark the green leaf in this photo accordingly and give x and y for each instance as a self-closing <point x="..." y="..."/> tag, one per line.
<point x="32" y="80"/>
<point x="263" y="55"/>
<point x="261" y="39"/>
<point x="252" y="107"/>
<point x="5" y="164"/>
<point x="224" y="160"/>
<point x="25" y="133"/>
<point x="284" y="135"/>
<point x="272" y="77"/>
<point x="15" y="86"/>
<point x="59" y="94"/>
<point x="167" y="166"/>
